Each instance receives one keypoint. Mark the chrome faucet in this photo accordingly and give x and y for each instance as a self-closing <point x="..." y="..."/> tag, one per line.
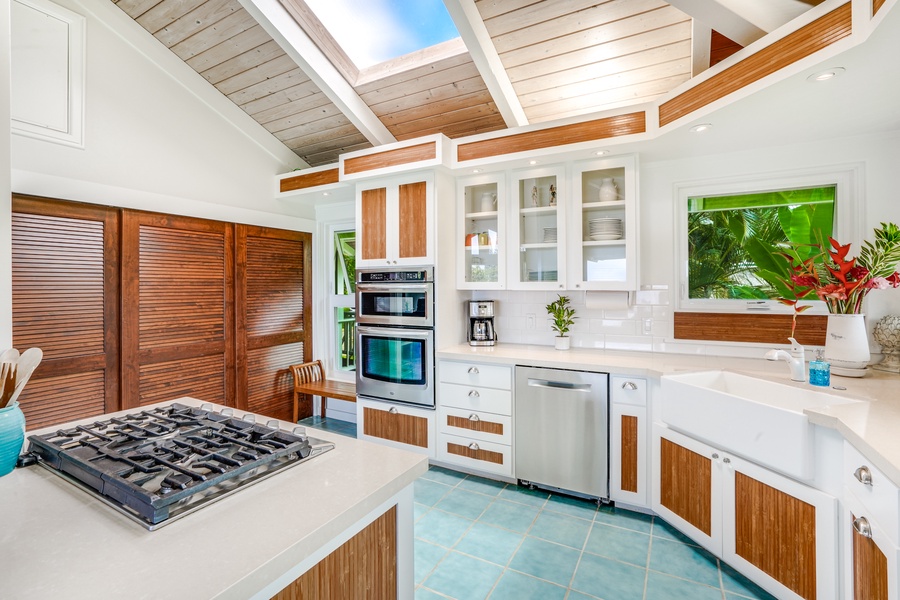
<point x="796" y="359"/>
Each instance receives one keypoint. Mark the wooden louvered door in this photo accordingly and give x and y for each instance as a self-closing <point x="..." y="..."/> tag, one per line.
<point x="177" y="309"/>
<point x="274" y="325"/>
<point x="65" y="263"/>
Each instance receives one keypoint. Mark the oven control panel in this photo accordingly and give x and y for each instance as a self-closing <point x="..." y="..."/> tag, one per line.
<point x="394" y="276"/>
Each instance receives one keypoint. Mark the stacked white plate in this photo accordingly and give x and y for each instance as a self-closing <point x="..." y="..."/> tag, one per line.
<point x="605" y="228"/>
<point x="549" y="235"/>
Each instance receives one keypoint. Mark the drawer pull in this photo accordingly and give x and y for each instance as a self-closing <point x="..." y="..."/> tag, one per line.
<point x="474" y="394"/>
<point x="726" y="460"/>
<point x="474" y="446"/>
<point x="862" y="527"/>
<point x="474" y="418"/>
<point x="473" y="371"/>
<point x="715" y="456"/>
<point x="393" y="410"/>
<point x="863" y="475"/>
<point x="629" y="385"/>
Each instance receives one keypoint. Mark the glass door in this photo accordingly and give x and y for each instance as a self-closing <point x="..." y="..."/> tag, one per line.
<point x="481" y="233"/>
<point x="540" y="230"/>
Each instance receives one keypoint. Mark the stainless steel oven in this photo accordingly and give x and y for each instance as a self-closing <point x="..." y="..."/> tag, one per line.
<point x="395" y="335"/>
<point x="402" y="297"/>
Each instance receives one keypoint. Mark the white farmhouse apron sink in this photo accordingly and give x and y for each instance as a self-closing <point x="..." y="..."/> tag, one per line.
<point x="760" y="420"/>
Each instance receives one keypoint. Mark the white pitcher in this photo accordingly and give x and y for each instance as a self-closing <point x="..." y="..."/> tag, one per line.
<point x="488" y="202"/>
<point x="608" y="190"/>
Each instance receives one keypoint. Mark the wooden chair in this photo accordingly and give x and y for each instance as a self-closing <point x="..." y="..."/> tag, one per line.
<point x="309" y="379"/>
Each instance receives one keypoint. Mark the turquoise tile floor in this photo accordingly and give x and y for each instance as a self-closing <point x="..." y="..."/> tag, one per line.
<point x="477" y="538"/>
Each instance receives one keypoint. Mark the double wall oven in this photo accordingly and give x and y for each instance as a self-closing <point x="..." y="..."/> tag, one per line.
<point x="395" y="335"/>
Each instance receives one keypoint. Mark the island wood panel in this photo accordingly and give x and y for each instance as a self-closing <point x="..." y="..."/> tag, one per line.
<point x="308" y="180"/>
<point x="390" y="158"/>
<point x="587" y="131"/>
<point x="372" y="228"/>
<point x="809" y="39"/>
<point x="870" y="568"/>
<point x="65" y="301"/>
<point x="629" y="453"/>
<point x="413" y="211"/>
<point x="745" y="327"/>
<point x="396" y="427"/>
<point x="365" y="566"/>
<point x="480" y="425"/>
<point x="225" y="45"/>
<point x="177" y="304"/>
<point x="274" y="322"/>
<point x="777" y="533"/>
<point x="475" y="453"/>
<point x="685" y="485"/>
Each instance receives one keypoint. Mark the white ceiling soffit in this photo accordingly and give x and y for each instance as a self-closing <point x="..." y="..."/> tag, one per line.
<point x="716" y="15"/>
<point x="471" y="29"/>
<point x="279" y="24"/>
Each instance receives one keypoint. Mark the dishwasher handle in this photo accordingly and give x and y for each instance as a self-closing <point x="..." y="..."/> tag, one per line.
<point x="559" y="385"/>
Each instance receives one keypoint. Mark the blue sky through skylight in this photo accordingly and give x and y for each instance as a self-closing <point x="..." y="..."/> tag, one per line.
<point x="373" y="31"/>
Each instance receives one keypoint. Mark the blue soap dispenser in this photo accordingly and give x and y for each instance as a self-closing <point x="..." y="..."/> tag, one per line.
<point x="819" y="371"/>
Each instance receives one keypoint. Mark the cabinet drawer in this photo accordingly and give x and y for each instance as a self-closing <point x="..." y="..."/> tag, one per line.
<point x="878" y="494"/>
<point x="475" y="454"/>
<point x="471" y="373"/>
<point x="396" y="425"/>
<point x="476" y="425"/>
<point x="628" y="390"/>
<point x="469" y="397"/>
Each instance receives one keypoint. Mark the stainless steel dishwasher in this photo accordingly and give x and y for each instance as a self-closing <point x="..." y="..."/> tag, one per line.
<point x="562" y="430"/>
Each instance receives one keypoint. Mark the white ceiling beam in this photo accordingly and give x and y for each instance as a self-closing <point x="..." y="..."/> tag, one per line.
<point x="477" y="39"/>
<point x="701" y="37"/>
<point x="279" y="24"/>
<point x="721" y="18"/>
<point x="769" y="15"/>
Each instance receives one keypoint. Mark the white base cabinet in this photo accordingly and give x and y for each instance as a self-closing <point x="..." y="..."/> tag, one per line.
<point x="628" y="447"/>
<point x="398" y="425"/>
<point x="474" y="414"/>
<point x="776" y="531"/>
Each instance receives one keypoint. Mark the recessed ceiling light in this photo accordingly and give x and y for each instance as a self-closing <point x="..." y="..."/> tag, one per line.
<point x="325" y="193"/>
<point x="826" y="74"/>
<point x="476" y="170"/>
<point x="532" y="162"/>
<point x="701" y="128"/>
<point x="601" y="152"/>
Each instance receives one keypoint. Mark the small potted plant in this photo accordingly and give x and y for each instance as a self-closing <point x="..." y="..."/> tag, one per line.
<point x="563" y="317"/>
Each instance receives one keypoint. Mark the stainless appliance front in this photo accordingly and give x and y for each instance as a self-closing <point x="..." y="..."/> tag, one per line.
<point x="396" y="364"/>
<point x="402" y="296"/>
<point x="562" y="430"/>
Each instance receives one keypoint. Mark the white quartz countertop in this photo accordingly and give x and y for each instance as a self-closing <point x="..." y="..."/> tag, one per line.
<point x="57" y="541"/>
<point x="872" y="426"/>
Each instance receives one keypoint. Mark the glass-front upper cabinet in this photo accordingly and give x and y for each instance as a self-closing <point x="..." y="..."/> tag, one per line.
<point x="604" y="223"/>
<point x="538" y="239"/>
<point x="481" y="259"/>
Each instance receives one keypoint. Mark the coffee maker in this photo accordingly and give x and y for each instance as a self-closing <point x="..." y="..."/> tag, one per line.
<point x="481" y="330"/>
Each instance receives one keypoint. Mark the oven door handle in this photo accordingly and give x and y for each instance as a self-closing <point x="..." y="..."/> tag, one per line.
<point x="380" y="331"/>
<point x="400" y="287"/>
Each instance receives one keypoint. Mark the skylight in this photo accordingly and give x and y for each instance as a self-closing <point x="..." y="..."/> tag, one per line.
<point x="374" y="31"/>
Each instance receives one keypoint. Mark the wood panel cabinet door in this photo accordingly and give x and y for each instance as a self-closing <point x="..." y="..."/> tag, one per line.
<point x="273" y="320"/>
<point x="177" y="309"/>
<point x="628" y="460"/>
<point x="65" y="264"/>
<point x="395" y="221"/>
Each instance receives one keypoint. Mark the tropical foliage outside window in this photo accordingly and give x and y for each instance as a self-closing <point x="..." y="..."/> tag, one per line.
<point x="730" y="240"/>
<point x="344" y="290"/>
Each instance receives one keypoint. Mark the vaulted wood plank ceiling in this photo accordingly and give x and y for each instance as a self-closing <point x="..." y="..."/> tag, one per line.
<point x="528" y="61"/>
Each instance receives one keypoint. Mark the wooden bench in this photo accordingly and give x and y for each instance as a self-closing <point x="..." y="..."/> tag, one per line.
<point x="309" y="378"/>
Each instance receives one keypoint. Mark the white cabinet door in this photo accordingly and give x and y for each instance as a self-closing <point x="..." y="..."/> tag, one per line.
<point x="603" y="225"/>
<point x="395" y="221"/>
<point x="481" y="233"/>
<point x="628" y="454"/>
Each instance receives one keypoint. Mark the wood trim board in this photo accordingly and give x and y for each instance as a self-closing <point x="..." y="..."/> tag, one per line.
<point x="309" y="180"/>
<point x="750" y="328"/>
<point x="390" y="158"/>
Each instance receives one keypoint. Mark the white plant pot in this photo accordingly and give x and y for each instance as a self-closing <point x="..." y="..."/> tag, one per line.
<point x="846" y="342"/>
<point x="562" y="342"/>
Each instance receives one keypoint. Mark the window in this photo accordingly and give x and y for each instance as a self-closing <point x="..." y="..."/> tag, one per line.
<point x="343" y="300"/>
<point x="728" y="231"/>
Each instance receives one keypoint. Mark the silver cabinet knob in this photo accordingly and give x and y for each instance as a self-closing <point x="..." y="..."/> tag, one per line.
<point x="474" y="446"/>
<point x="863" y="475"/>
<point x="474" y="394"/>
<point x="629" y="385"/>
<point x="715" y="456"/>
<point x="474" y="418"/>
<point x="862" y="527"/>
<point x="726" y="460"/>
<point x="393" y="410"/>
<point x="473" y="371"/>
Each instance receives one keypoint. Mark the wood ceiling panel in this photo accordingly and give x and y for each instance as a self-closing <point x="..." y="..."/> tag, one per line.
<point x="224" y="44"/>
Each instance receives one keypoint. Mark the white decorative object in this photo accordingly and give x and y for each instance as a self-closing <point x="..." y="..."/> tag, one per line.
<point x="488" y="202"/>
<point x="846" y="343"/>
<point x="562" y="342"/>
<point x="887" y="334"/>
<point x="608" y="190"/>
<point x="534" y="196"/>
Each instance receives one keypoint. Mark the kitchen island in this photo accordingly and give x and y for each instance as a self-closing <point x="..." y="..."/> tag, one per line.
<point x="58" y="541"/>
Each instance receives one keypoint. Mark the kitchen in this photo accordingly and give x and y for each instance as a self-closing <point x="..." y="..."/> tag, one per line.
<point x="130" y="179"/>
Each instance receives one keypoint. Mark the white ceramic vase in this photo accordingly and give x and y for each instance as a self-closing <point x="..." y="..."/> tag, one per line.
<point x="562" y="342"/>
<point x="608" y="190"/>
<point x="846" y="342"/>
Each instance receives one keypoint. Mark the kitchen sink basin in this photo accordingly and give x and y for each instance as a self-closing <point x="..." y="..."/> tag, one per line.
<point x="761" y="420"/>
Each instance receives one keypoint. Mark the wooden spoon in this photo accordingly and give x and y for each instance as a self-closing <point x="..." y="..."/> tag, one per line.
<point x="7" y="383"/>
<point x="28" y="362"/>
<point x="11" y="355"/>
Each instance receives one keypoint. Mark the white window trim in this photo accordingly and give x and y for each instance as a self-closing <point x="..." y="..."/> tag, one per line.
<point x="848" y="179"/>
<point x="331" y="301"/>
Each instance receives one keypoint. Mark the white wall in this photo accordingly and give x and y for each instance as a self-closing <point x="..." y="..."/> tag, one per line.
<point x="648" y="325"/>
<point x="5" y="234"/>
